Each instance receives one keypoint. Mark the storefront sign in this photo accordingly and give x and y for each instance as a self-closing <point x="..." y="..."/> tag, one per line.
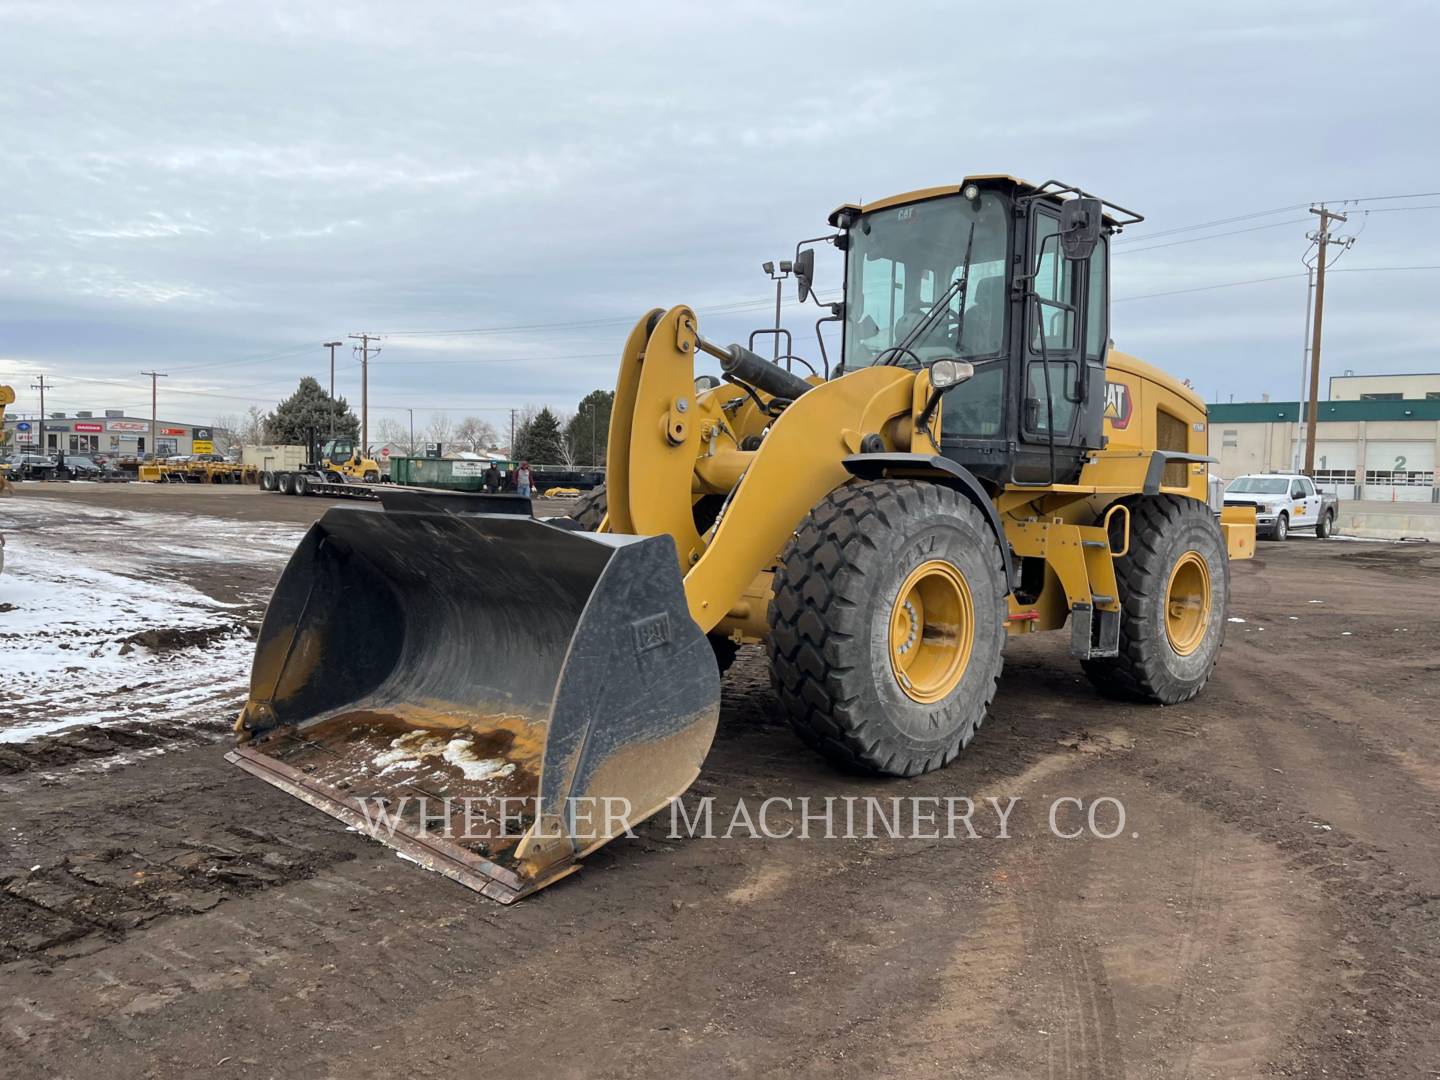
<point x="89" y="427"/>
<point x="127" y="425"/>
<point x="203" y="442"/>
<point x="172" y="431"/>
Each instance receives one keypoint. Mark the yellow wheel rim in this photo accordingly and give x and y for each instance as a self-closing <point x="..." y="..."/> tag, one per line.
<point x="932" y="631"/>
<point x="1187" y="603"/>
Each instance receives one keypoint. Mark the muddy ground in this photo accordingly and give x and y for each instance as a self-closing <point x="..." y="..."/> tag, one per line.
<point x="1271" y="906"/>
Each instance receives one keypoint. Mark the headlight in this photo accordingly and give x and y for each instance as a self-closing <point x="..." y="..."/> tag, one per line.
<point x="947" y="373"/>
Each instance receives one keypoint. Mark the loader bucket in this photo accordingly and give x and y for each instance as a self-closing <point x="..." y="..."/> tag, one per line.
<point x="493" y="696"/>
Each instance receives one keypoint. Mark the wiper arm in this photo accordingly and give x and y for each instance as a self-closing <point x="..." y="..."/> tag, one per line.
<point x="935" y="310"/>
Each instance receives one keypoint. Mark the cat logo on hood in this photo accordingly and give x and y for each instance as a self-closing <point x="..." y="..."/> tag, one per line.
<point x="1118" y="405"/>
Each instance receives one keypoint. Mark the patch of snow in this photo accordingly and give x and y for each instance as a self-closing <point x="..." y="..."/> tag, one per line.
<point x="413" y="749"/>
<point x="1235" y="619"/>
<point x="460" y="752"/>
<point x="72" y="603"/>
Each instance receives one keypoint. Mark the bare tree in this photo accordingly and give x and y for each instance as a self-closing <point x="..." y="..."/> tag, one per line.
<point x="251" y="429"/>
<point x="475" y="435"/>
<point x="441" y="429"/>
<point x="390" y="432"/>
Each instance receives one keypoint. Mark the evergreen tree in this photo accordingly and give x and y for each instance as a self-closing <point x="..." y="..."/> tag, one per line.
<point x="539" y="441"/>
<point x="309" y="409"/>
<point x="589" y="428"/>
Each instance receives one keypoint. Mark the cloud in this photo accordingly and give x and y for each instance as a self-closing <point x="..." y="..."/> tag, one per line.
<point x="195" y="183"/>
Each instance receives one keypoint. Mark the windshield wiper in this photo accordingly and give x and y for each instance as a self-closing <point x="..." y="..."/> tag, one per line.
<point x="934" y="312"/>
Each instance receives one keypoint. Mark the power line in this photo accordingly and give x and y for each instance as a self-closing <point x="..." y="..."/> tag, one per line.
<point x="1215" y="236"/>
<point x="1387" y="198"/>
<point x="1277" y="277"/>
<point x="729" y="308"/>
<point x="1210" y="224"/>
<point x="1206" y="288"/>
<point x="1198" y="226"/>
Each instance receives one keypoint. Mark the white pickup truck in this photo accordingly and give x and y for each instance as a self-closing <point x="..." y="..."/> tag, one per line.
<point x="1284" y="501"/>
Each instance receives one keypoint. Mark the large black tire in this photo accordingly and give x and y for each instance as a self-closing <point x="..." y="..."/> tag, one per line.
<point x="267" y="481"/>
<point x="1325" y="528"/>
<point x="372" y="476"/>
<point x="1281" y="529"/>
<point x="836" y="594"/>
<point x="285" y="483"/>
<point x="301" y="485"/>
<point x="1164" y="529"/>
<point x="589" y="509"/>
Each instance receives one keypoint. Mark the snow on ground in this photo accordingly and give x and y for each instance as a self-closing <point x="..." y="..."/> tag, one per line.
<point x="80" y="581"/>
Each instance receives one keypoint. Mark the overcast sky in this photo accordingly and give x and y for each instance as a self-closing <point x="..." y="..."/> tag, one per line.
<point x="214" y="189"/>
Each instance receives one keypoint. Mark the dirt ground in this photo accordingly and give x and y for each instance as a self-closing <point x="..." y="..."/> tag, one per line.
<point x="1270" y="907"/>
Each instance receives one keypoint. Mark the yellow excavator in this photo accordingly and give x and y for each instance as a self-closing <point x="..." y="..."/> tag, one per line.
<point x="497" y="696"/>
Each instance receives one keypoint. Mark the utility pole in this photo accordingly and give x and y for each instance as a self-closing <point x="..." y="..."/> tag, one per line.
<point x="40" y="447"/>
<point x="512" y="433"/>
<point x="1323" y="240"/>
<point x="332" y="346"/>
<point x="154" y="446"/>
<point x="365" y="351"/>
<point x="412" y="431"/>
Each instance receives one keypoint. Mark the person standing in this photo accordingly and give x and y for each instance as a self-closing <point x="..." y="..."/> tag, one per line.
<point x="492" y="479"/>
<point x="522" y="479"/>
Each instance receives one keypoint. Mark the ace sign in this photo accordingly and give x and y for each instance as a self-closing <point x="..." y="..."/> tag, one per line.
<point x="203" y="441"/>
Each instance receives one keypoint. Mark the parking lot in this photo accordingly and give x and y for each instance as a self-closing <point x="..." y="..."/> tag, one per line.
<point x="1271" y="905"/>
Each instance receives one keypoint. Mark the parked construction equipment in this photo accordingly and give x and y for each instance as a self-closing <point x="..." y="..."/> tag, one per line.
<point x="338" y="469"/>
<point x="979" y="464"/>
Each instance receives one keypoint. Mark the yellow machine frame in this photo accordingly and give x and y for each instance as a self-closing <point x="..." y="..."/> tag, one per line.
<point x="669" y="446"/>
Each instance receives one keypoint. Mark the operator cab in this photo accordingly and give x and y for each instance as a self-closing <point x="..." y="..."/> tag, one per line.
<point x="339" y="450"/>
<point x="1008" y="277"/>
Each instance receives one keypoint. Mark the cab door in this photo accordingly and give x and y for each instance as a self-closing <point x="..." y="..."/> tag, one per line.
<point x="1302" y="502"/>
<point x="1314" y="500"/>
<point x="1063" y="350"/>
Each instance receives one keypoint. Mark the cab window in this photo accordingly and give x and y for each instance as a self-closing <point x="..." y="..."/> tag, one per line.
<point x="1055" y="281"/>
<point x="1297" y="490"/>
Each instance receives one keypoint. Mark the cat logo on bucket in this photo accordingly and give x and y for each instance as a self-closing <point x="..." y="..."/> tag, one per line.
<point x="1118" y="405"/>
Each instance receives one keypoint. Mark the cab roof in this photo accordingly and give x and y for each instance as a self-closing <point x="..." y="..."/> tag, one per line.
<point x="1053" y="190"/>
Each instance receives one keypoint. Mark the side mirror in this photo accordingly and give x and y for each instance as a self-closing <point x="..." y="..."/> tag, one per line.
<point x="1080" y="223"/>
<point x="805" y="273"/>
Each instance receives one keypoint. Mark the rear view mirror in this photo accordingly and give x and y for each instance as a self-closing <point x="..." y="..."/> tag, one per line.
<point x="1080" y="223"/>
<point x="805" y="273"/>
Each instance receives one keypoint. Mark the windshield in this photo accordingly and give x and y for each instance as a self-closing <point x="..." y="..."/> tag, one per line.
<point x="1259" y="485"/>
<point x="903" y="259"/>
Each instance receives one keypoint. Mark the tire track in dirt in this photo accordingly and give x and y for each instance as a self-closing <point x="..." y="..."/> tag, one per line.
<point x="1384" y="936"/>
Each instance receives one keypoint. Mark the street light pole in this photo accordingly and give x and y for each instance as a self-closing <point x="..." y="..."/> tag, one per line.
<point x="332" y="346"/>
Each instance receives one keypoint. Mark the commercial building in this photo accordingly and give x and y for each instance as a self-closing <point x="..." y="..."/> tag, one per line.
<point x="109" y="434"/>
<point x="1349" y="387"/>
<point x="1366" y="446"/>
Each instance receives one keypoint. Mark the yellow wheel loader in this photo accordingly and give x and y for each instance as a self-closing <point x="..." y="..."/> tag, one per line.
<point x="496" y="696"/>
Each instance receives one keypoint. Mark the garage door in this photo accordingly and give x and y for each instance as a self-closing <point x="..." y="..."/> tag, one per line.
<point x="1336" y="467"/>
<point x="1397" y="471"/>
